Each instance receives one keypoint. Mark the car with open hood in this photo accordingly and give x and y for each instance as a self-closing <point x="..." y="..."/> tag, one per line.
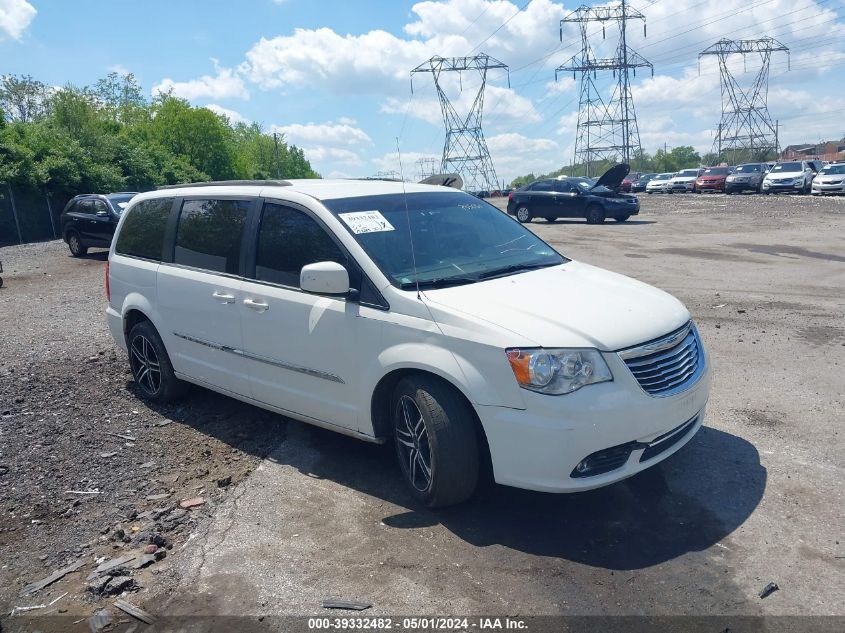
<point x="575" y="197"/>
<point x="684" y="181"/>
<point x="409" y="314"/>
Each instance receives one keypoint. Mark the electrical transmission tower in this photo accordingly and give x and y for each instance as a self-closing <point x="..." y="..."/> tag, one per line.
<point x="427" y="167"/>
<point x="607" y="129"/>
<point x="745" y="130"/>
<point x="465" y="150"/>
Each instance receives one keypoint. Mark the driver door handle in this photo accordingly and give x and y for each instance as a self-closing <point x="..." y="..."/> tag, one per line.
<point x="223" y="297"/>
<point x="258" y="306"/>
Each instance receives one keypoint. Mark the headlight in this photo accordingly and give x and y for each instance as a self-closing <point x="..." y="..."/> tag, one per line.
<point x="557" y="371"/>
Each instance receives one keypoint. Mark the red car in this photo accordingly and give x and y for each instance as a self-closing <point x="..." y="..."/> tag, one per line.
<point x="713" y="179"/>
<point x="629" y="180"/>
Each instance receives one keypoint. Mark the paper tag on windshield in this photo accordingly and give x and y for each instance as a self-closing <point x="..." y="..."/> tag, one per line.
<point x="366" y="222"/>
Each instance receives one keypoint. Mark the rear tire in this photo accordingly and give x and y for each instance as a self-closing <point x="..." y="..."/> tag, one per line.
<point x="595" y="214"/>
<point x="523" y="214"/>
<point x="151" y="366"/>
<point x="436" y="444"/>
<point x="74" y="243"/>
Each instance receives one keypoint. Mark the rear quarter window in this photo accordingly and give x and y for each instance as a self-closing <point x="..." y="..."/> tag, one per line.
<point x="142" y="232"/>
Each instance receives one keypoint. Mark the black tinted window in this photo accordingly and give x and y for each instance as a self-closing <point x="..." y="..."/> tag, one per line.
<point x="209" y="234"/>
<point x="100" y="207"/>
<point x="561" y="186"/>
<point x="543" y="185"/>
<point x="142" y="233"/>
<point x="84" y="206"/>
<point x="288" y="240"/>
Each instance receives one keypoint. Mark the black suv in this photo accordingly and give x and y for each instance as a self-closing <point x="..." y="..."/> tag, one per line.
<point x="90" y="220"/>
<point x="575" y="197"/>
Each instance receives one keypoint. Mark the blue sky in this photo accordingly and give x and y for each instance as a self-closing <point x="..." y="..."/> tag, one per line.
<point x="333" y="75"/>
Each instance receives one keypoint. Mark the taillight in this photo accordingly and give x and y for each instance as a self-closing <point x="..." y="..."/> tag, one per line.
<point x="108" y="289"/>
<point x="510" y="196"/>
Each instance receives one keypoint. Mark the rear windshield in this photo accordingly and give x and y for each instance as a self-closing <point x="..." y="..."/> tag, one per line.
<point x="440" y="238"/>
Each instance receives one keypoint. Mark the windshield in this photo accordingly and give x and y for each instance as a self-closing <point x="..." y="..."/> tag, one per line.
<point x="748" y="168"/>
<point x="582" y="183"/>
<point x="716" y="171"/>
<point x="833" y="169"/>
<point x="688" y="173"/>
<point x="664" y="176"/>
<point x="120" y="202"/>
<point x="787" y="167"/>
<point x="457" y="238"/>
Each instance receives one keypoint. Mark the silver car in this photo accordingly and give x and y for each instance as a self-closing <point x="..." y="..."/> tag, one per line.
<point x="831" y="179"/>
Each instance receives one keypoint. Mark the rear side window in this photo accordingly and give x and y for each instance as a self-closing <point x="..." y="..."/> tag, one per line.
<point x="209" y="234"/>
<point x="543" y="185"/>
<point x="288" y="240"/>
<point x="142" y="233"/>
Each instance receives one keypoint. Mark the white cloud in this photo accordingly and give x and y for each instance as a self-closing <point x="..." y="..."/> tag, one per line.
<point x="233" y="116"/>
<point x="15" y="17"/>
<point x="328" y="133"/>
<point x="515" y="154"/>
<point x="320" y="155"/>
<point x="227" y="83"/>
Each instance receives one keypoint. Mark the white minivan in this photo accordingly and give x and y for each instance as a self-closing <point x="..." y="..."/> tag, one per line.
<point x="408" y="313"/>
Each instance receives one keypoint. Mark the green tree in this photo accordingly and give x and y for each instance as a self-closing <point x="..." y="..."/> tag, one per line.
<point x="23" y="98"/>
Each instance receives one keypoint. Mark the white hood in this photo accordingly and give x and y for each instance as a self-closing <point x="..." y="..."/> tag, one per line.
<point x="571" y="305"/>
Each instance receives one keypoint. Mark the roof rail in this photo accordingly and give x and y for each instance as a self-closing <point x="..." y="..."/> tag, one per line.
<point x="231" y="183"/>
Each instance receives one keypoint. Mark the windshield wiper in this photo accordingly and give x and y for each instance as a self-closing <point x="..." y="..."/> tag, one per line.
<point x="437" y="282"/>
<point x="514" y="268"/>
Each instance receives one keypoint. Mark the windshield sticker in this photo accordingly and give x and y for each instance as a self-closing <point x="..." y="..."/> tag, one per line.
<point x="366" y="222"/>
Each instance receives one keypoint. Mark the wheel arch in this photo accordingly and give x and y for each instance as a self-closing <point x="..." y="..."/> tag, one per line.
<point x="380" y="406"/>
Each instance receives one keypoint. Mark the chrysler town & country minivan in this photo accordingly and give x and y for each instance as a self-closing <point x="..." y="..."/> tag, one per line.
<point x="414" y="314"/>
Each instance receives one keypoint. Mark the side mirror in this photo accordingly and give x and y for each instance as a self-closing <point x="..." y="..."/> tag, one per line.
<point x="324" y="278"/>
<point x="102" y="214"/>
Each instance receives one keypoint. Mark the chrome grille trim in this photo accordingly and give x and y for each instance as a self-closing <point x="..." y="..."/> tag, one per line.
<point x="668" y="365"/>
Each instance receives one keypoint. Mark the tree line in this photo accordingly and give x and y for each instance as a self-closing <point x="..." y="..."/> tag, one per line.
<point x="110" y="137"/>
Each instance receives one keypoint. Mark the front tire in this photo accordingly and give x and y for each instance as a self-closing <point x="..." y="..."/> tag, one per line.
<point x="151" y="366"/>
<point x="622" y="218"/>
<point x="74" y="243"/>
<point x="595" y="214"/>
<point x="523" y="214"/>
<point x="436" y="444"/>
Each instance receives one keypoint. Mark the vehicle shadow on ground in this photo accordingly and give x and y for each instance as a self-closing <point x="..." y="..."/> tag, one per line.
<point x="98" y="255"/>
<point x="609" y="222"/>
<point x="688" y="503"/>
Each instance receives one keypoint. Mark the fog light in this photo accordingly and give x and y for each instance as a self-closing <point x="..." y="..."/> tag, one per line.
<point x="581" y="468"/>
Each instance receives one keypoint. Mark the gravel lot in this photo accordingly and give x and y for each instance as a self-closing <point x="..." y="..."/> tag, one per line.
<point x="291" y="514"/>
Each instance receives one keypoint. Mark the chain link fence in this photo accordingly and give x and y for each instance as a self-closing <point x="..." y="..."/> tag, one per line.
<point x="29" y="216"/>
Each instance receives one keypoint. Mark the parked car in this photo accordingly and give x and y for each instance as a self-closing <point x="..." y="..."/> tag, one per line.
<point x="831" y="179"/>
<point x="574" y="197"/>
<point x="89" y="220"/>
<point x="795" y="176"/>
<point x="629" y="180"/>
<point x="684" y="181"/>
<point x="407" y="313"/>
<point x="639" y="184"/>
<point x="713" y="179"/>
<point x="746" y="177"/>
<point x="659" y="183"/>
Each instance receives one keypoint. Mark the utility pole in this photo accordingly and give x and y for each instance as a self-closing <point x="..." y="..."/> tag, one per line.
<point x="278" y="164"/>
<point x="745" y="126"/>
<point x="607" y="130"/>
<point x="464" y="150"/>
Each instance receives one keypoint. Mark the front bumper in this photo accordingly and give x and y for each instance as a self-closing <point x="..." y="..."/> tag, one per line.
<point x="819" y="187"/>
<point x="741" y="186"/>
<point x="538" y="447"/>
<point x="710" y="186"/>
<point x="776" y="186"/>
<point x="681" y="187"/>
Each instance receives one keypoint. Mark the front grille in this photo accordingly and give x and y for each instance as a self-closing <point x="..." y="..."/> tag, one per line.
<point x="668" y="365"/>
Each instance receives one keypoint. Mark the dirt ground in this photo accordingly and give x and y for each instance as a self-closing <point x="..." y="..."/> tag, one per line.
<point x="289" y="514"/>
